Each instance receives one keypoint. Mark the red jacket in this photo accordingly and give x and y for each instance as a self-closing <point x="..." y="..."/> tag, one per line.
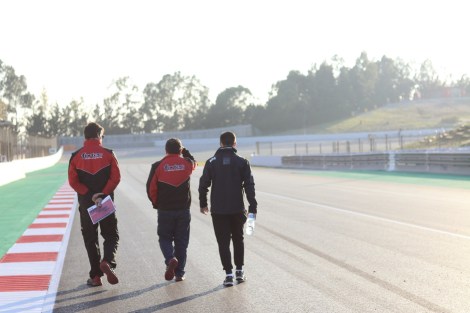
<point x="168" y="182"/>
<point x="93" y="169"/>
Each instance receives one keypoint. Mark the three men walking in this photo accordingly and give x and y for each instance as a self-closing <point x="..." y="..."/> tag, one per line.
<point x="94" y="173"/>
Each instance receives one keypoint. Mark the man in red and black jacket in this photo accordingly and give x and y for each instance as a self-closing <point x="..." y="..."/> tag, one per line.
<point x="168" y="190"/>
<point x="94" y="173"/>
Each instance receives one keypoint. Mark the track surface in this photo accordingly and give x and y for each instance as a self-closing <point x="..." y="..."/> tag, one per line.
<point x="322" y="243"/>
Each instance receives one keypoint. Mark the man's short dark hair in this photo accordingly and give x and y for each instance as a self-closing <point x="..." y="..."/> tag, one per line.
<point x="227" y="139"/>
<point x="173" y="146"/>
<point x="93" y="130"/>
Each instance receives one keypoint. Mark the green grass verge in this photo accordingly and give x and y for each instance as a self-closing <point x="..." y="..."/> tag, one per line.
<point x="22" y="200"/>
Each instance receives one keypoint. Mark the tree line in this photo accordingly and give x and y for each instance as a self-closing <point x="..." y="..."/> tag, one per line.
<point x="327" y="92"/>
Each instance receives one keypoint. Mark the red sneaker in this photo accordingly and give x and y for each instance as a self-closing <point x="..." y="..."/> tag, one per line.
<point x="94" y="282"/>
<point x="110" y="275"/>
<point x="170" y="269"/>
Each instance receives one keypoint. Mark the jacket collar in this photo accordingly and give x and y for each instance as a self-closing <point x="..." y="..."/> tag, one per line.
<point x="222" y="149"/>
<point x="92" y="142"/>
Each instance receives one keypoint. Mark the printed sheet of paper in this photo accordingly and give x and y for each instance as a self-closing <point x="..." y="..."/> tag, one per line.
<point x="99" y="213"/>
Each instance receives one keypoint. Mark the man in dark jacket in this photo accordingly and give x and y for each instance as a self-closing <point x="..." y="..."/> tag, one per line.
<point x="168" y="190"/>
<point x="94" y="173"/>
<point x="230" y="176"/>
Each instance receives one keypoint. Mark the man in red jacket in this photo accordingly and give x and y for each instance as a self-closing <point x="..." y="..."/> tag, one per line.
<point x="94" y="173"/>
<point x="168" y="190"/>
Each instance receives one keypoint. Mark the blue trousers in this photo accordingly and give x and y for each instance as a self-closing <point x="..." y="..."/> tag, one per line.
<point x="173" y="236"/>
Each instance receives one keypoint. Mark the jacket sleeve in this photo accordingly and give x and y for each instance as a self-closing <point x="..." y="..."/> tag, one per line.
<point x="152" y="185"/>
<point x="114" y="178"/>
<point x="189" y="157"/>
<point x="149" y="180"/>
<point x="74" y="182"/>
<point x="153" y="190"/>
<point x="249" y="186"/>
<point x="204" y="184"/>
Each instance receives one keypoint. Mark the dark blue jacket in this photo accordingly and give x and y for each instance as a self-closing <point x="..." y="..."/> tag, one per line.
<point x="230" y="177"/>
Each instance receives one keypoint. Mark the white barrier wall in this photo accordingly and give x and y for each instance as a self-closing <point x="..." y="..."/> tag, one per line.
<point x="268" y="161"/>
<point x="14" y="170"/>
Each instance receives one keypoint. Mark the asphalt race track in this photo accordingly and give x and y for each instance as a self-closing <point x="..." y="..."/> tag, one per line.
<point x="324" y="242"/>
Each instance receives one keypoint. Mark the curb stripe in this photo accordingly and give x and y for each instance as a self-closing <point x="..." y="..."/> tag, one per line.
<point x="44" y="231"/>
<point x="47" y="225"/>
<point x="35" y="247"/>
<point x="29" y="257"/>
<point x="24" y="283"/>
<point x="55" y="206"/>
<point x="50" y="220"/>
<point x="39" y="238"/>
<point x="30" y="270"/>
<point x="53" y="216"/>
<point x="55" y="209"/>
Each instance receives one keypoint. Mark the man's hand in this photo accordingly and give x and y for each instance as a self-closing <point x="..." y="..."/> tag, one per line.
<point x="97" y="198"/>
<point x="205" y="210"/>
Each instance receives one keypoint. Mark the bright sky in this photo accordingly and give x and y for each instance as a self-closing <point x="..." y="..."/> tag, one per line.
<point x="77" y="48"/>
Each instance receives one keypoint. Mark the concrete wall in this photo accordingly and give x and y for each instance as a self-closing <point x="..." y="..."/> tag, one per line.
<point x="14" y="170"/>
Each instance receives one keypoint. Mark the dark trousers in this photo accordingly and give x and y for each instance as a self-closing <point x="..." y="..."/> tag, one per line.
<point x="173" y="236"/>
<point x="110" y="234"/>
<point x="230" y="227"/>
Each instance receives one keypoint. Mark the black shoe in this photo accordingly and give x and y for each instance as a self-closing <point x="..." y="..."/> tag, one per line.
<point x="179" y="278"/>
<point x="240" y="276"/>
<point x="228" y="282"/>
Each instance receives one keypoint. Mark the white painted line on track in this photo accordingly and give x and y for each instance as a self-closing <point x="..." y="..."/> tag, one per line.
<point x="44" y="231"/>
<point x="35" y="247"/>
<point x="25" y="301"/>
<point x="55" y="212"/>
<point x="50" y="220"/>
<point x="370" y="216"/>
<point x="62" y="196"/>
<point x="54" y="206"/>
<point x="27" y="268"/>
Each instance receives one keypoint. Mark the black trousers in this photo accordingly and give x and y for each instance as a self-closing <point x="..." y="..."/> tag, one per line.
<point x="110" y="234"/>
<point x="229" y="227"/>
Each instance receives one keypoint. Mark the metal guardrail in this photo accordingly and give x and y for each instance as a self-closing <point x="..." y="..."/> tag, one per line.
<point x="436" y="162"/>
<point x="433" y="162"/>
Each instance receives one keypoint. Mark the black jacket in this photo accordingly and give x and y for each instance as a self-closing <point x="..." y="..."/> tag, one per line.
<point x="230" y="177"/>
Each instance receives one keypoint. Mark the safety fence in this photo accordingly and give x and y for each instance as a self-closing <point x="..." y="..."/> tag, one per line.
<point x="360" y="144"/>
<point x="455" y="162"/>
<point x="15" y="147"/>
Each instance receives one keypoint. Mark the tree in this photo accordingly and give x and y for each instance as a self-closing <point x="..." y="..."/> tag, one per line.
<point x="37" y="124"/>
<point x="74" y="118"/>
<point x="428" y="81"/>
<point x="148" y="111"/>
<point x="364" y="78"/>
<point x="57" y="125"/>
<point x="287" y="108"/>
<point x="229" y="107"/>
<point x="176" y="102"/>
<point x="118" y="114"/>
<point x="323" y="96"/>
<point x="15" y="93"/>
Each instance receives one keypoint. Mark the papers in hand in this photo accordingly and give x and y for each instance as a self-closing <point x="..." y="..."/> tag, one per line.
<point x="98" y="213"/>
